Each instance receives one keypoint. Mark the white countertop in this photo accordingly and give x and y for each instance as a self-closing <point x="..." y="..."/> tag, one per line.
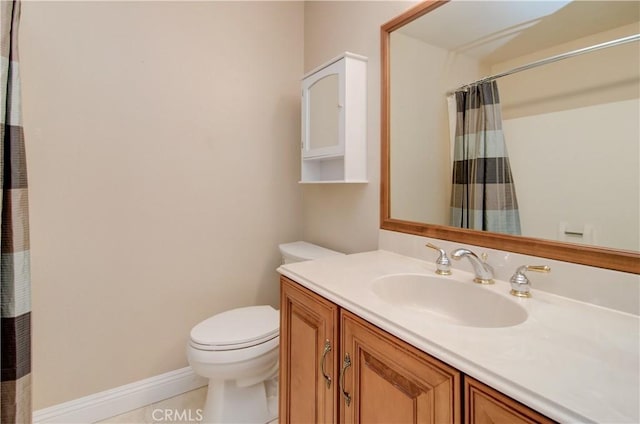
<point x="571" y="361"/>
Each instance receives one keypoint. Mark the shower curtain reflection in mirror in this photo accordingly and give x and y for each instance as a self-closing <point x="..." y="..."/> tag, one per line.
<point x="483" y="195"/>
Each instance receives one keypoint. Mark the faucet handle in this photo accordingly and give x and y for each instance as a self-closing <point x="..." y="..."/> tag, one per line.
<point x="443" y="264"/>
<point x="520" y="284"/>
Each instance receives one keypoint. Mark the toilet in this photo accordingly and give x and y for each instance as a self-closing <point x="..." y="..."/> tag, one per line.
<point x="237" y="350"/>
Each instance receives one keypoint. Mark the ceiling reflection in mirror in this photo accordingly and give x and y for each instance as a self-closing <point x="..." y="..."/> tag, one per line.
<point x="571" y="127"/>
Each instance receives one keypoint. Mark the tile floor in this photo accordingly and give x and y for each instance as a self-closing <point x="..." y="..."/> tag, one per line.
<point x="187" y="404"/>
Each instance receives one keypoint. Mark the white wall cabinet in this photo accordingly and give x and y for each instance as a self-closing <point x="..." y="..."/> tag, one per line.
<point x="334" y="122"/>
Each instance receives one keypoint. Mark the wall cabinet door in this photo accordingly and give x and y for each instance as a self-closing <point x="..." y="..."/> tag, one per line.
<point x="484" y="405"/>
<point x="308" y="356"/>
<point x="322" y="105"/>
<point x="385" y="380"/>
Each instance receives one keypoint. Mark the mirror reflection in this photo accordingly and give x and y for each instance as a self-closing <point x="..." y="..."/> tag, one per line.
<point x="323" y="109"/>
<point x="549" y="152"/>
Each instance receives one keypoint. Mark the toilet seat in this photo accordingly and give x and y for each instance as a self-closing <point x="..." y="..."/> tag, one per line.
<point x="239" y="328"/>
<point x="257" y="348"/>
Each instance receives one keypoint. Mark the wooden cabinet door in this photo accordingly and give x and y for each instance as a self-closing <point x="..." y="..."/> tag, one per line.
<point x="389" y="381"/>
<point x="484" y="405"/>
<point x="308" y="353"/>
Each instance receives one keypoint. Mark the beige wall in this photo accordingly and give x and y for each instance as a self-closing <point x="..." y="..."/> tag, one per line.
<point x="163" y="155"/>
<point x="346" y="217"/>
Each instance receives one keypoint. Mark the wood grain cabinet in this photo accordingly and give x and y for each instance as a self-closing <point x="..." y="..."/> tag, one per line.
<point x="336" y="367"/>
<point x="484" y="405"/>
<point x="385" y="380"/>
<point x="308" y="356"/>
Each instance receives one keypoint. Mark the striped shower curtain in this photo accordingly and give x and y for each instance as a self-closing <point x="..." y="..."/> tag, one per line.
<point x="15" y="294"/>
<point x="483" y="195"/>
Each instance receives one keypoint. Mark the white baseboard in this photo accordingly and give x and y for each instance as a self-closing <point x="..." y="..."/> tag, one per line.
<point x="103" y="405"/>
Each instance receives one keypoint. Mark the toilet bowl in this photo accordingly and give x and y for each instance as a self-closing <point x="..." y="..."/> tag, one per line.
<point x="237" y="350"/>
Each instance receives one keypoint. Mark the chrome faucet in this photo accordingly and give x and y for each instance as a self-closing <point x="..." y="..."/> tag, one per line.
<point x="483" y="271"/>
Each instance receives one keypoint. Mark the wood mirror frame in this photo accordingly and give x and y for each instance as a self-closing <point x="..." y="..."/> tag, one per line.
<point x="619" y="260"/>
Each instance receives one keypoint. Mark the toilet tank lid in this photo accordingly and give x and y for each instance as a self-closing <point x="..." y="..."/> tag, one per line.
<point x="302" y="250"/>
<point x="238" y="326"/>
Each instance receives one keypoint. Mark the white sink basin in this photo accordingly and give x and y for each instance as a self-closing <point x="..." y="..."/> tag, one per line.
<point x="448" y="300"/>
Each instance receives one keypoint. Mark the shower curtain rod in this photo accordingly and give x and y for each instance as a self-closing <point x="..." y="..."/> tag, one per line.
<point x="552" y="59"/>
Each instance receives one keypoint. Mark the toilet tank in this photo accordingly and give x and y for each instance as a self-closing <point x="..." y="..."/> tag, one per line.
<point x="302" y="251"/>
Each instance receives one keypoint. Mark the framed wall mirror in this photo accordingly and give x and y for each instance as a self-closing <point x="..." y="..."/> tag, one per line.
<point x="571" y="126"/>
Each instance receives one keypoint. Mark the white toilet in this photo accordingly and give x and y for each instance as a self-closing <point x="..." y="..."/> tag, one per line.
<point x="237" y="351"/>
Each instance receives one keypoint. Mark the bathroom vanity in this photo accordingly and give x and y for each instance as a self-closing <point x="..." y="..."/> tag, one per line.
<point x="351" y="352"/>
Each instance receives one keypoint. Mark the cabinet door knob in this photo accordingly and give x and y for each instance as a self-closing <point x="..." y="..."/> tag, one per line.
<point x="346" y="364"/>
<point x="327" y="349"/>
